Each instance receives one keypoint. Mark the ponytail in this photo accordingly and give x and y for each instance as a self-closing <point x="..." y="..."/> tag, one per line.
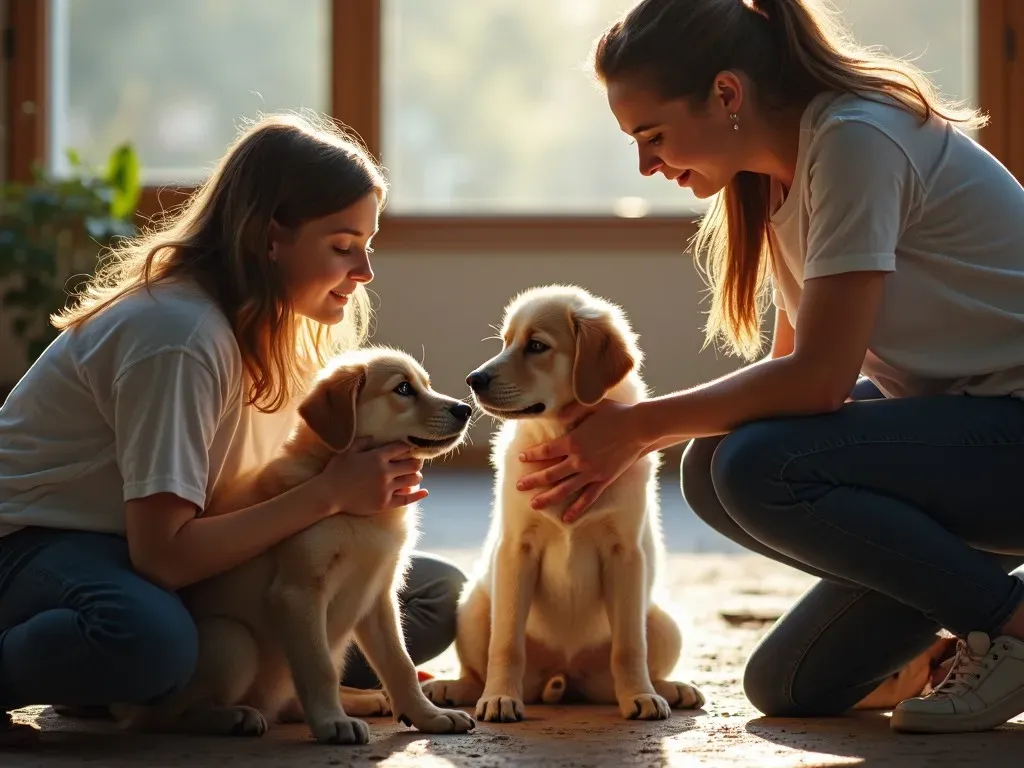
<point x="791" y="50"/>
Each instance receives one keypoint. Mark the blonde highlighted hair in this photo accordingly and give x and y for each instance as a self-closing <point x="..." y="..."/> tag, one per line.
<point x="791" y="50"/>
<point x="289" y="168"/>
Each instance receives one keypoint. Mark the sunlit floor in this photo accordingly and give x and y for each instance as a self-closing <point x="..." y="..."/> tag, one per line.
<point x="724" y="602"/>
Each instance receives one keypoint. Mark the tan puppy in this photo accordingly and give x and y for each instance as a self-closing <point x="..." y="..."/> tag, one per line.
<point x="273" y="632"/>
<point x="558" y="607"/>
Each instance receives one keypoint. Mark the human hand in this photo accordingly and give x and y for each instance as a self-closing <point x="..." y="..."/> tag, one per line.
<point x="365" y="480"/>
<point x="587" y="459"/>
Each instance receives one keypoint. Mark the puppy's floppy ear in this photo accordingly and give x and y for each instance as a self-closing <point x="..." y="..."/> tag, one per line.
<point x="603" y="358"/>
<point x="330" y="409"/>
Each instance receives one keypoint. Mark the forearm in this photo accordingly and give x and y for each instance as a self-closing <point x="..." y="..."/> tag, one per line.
<point x="769" y="388"/>
<point x="781" y="347"/>
<point x="205" y="546"/>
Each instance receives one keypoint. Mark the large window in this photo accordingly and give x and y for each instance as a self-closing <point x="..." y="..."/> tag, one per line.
<point x="177" y="78"/>
<point x="939" y="36"/>
<point x="483" y="112"/>
<point x="488" y="109"/>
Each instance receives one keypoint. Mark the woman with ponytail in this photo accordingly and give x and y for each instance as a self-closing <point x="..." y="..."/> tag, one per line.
<point x="880" y="444"/>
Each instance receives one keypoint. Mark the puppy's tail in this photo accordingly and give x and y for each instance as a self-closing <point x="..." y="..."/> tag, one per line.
<point x="554" y="689"/>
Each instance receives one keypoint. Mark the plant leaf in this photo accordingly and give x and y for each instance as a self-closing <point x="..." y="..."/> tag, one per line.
<point x="123" y="176"/>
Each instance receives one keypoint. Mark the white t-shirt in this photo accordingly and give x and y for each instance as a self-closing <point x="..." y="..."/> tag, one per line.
<point x="145" y="398"/>
<point x="876" y="190"/>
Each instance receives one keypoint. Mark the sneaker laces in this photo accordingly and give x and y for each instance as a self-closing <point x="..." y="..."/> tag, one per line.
<point x="973" y="659"/>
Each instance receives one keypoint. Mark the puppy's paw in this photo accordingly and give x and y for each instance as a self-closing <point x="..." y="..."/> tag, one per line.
<point x="365" y="703"/>
<point x="499" y="709"/>
<point x="226" y="721"/>
<point x="434" y="720"/>
<point x="247" y="721"/>
<point x="453" y="693"/>
<point x="644" y="706"/>
<point x="680" y="695"/>
<point x="341" y="730"/>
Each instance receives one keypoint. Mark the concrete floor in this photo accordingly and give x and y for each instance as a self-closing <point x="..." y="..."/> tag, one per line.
<point x="723" y="600"/>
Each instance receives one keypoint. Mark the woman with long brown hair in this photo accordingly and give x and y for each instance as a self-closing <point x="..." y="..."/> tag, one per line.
<point x="847" y="194"/>
<point x="179" y="367"/>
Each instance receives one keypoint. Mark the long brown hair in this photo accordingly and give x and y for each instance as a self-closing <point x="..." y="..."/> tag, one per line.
<point x="289" y="168"/>
<point x="791" y="50"/>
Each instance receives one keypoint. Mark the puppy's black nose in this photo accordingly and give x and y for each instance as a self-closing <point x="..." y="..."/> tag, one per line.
<point x="478" y="380"/>
<point x="461" y="411"/>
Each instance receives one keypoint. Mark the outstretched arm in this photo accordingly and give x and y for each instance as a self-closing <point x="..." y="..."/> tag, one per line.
<point x="782" y="345"/>
<point x="837" y="316"/>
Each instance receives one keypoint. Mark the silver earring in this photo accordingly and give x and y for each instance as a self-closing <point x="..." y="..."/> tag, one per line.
<point x="735" y="118"/>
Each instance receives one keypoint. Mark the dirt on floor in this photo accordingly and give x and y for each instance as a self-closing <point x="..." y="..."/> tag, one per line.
<point x="726" y="602"/>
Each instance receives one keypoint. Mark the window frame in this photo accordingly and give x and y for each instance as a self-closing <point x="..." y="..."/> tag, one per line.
<point x="356" y="47"/>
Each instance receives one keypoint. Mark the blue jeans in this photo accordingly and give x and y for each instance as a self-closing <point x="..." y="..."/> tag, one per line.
<point x="80" y="628"/>
<point x="910" y="511"/>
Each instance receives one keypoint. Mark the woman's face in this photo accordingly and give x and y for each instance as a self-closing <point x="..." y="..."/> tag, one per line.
<point x="695" y="148"/>
<point x="323" y="260"/>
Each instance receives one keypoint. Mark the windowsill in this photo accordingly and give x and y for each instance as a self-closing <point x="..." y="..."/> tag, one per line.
<point x="513" y="233"/>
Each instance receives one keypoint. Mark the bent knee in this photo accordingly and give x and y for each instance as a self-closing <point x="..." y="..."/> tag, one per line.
<point x="745" y="463"/>
<point x="431" y="604"/>
<point x="151" y="644"/>
<point x="695" y="480"/>
<point x="770" y="686"/>
<point x="767" y="687"/>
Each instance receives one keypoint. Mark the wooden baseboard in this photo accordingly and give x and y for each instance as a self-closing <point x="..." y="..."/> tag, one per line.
<point x="477" y="457"/>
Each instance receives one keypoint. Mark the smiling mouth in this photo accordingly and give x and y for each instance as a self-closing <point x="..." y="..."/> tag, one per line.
<point x="532" y="410"/>
<point x="423" y="442"/>
<point x="342" y="297"/>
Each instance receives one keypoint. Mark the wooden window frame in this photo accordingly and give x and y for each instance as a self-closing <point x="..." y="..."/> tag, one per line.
<point x="356" y="47"/>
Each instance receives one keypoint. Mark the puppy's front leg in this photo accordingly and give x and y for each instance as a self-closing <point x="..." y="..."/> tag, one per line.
<point x="379" y="636"/>
<point x="626" y="602"/>
<point x="514" y="579"/>
<point x="301" y="620"/>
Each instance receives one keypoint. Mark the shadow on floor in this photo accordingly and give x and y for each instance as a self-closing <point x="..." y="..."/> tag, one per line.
<point x="553" y="736"/>
<point x="866" y="737"/>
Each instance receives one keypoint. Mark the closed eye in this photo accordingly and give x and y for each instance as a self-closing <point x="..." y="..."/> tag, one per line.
<point x="654" y="140"/>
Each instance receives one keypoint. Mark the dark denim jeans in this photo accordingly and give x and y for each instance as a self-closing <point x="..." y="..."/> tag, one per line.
<point x="79" y="627"/>
<point x="911" y="511"/>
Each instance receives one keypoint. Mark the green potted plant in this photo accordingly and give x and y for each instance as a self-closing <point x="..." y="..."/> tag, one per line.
<point x="53" y="230"/>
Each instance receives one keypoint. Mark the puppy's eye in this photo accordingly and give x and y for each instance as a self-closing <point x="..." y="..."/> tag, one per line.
<point x="405" y="389"/>
<point x="534" y="347"/>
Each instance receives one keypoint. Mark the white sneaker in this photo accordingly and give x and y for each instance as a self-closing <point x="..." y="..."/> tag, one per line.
<point x="984" y="689"/>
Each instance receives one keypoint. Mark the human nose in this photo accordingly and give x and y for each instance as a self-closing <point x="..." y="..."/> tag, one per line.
<point x="650" y="164"/>
<point x="362" y="272"/>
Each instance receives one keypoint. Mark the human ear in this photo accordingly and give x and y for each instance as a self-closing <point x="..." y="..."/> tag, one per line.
<point x="727" y="92"/>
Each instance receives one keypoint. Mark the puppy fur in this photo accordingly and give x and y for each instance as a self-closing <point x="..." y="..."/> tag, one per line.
<point x="557" y="608"/>
<point x="274" y="631"/>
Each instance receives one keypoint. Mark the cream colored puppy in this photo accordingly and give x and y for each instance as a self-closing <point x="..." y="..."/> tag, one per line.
<point x="274" y="631"/>
<point x="562" y="608"/>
